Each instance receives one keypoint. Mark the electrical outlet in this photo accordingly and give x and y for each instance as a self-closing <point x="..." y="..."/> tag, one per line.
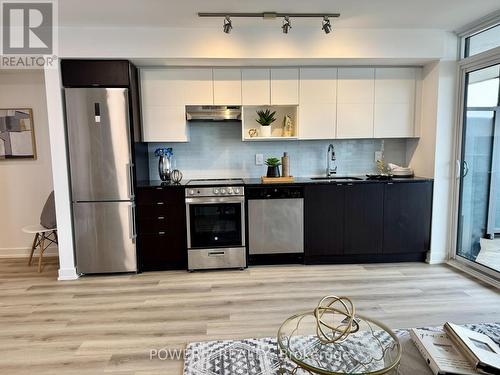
<point x="259" y="159"/>
<point x="379" y="155"/>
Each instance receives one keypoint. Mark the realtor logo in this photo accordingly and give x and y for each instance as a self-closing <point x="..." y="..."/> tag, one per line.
<point x="27" y="28"/>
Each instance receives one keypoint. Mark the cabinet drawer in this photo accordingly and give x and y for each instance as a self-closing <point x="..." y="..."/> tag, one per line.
<point x="162" y="252"/>
<point x="156" y="225"/>
<point x="160" y="195"/>
<point x="153" y="211"/>
<point x="153" y="225"/>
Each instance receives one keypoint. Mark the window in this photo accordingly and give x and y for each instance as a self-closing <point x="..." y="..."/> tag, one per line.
<point x="482" y="41"/>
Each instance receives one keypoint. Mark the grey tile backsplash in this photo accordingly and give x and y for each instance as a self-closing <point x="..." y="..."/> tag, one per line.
<point x="215" y="150"/>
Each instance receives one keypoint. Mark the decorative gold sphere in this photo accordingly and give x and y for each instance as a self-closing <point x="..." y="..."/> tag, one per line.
<point x="335" y="319"/>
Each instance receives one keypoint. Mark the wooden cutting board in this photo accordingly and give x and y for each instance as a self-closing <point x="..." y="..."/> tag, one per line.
<point x="277" y="180"/>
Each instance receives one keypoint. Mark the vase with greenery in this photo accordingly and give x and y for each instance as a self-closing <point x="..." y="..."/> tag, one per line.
<point x="273" y="167"/>
<point x="265" y="119"/>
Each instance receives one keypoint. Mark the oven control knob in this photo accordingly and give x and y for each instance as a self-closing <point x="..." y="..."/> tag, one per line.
<point x="216" y="191"/>
<point x="191" y="192"/>
<point x="236" y="190"/>
<point x="230" y="190"/>
<point x="223" y="191"/>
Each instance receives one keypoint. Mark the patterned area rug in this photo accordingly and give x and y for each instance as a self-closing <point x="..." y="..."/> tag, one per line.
<point x="261" y="357"/>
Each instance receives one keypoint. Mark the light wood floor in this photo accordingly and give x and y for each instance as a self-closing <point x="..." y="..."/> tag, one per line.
<point x="108" y="325"/>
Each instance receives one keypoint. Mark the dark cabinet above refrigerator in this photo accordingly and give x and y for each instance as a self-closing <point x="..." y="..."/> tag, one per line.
<point x="95" y="73"/>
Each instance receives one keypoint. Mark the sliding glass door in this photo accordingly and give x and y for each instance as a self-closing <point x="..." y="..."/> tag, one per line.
<point x="478" y="237"/>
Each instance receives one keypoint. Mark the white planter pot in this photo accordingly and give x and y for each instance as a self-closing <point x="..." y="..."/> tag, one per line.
<point x="265" y="131"/>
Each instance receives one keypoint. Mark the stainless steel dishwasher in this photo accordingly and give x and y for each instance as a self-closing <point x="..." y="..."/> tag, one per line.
<point x="275" y="220"/>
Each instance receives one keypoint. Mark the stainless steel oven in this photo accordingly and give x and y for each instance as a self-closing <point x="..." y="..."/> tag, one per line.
<point x="215" y="227"/>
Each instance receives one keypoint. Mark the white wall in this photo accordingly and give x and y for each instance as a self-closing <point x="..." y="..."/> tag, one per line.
<point x="252" y="43"/>
<point x="24" y="184"/>
<point x="433" y="156"/>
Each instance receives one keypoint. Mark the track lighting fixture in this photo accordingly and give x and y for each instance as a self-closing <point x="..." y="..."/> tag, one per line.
<point x="327" y="26"/>
<point x="227" y="25"/>
<point x="287" y="25"/>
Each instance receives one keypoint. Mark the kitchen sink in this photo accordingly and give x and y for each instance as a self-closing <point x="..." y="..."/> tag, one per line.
<point x="337" y="178"/>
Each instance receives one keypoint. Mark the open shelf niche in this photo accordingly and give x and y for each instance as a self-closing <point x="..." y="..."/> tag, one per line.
<point x="249" y="117"/>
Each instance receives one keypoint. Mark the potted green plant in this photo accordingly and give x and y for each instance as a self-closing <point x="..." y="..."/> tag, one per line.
<point x="273" y="165"/>
<point x="265" y="119"/>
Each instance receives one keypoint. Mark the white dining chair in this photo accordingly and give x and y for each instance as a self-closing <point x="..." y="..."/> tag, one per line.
<point x="43" y="239"/>
<point x="45" y="232"/>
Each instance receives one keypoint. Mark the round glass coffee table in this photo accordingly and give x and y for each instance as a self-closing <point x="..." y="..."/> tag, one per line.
<point x="373" y="349"/>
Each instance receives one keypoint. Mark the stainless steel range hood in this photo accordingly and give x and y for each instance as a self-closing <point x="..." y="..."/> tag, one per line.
<point x="213" y="113"/>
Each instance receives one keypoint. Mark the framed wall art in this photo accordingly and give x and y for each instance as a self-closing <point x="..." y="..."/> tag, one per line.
<point x="17" y="134"/>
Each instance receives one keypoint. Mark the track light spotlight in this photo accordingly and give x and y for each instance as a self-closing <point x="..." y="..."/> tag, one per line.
<point x="227" y="25"/>
<point x="287" y="25"/>
<point x="327" y="26"/>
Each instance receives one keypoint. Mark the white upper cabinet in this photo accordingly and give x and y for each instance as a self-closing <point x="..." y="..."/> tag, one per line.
<point x="284" y="86"/>
<point x="395" y="102"/>
<point x="164" y="123"/>
<point x="198" y="86"/>
<point x="165" y="93"/>
<point x="317" y="103"/>
<point x="161" y="87"/>
<point x="227" y="86"/>
<point x="355" y="99"/>
<point x="256" y="86"/>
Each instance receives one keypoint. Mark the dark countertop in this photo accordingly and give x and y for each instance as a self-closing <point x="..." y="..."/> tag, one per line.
<point x="298" y="181"/>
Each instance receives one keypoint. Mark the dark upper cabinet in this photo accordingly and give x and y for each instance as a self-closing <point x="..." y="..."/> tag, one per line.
<point x="407" y="217"/>
<point x="161" y="227"/>
<point x="99" y="73"/>
<point x="324" y="221"/>
<point x="364" y="213"/>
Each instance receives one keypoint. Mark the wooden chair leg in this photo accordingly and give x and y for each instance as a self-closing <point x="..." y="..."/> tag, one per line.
<point x="42" y="248"/>
<point x="33" y="247"/>
<point x="55" y="236"/>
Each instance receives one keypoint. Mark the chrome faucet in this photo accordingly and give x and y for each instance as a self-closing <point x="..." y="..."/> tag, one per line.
<point x="331" y="166"/>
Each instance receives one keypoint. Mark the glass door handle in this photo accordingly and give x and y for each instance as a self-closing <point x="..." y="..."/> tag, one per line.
<point x="465" y="169"/>
<point x="462" y="169"/>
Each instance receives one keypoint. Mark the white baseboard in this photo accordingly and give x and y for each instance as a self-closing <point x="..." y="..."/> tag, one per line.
<point x="435" y="260"/>
<point x="24" y="252"/>
<point x="67" y="274"/>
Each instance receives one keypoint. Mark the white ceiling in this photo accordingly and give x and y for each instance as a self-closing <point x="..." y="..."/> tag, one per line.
<point x="434" y="14"/>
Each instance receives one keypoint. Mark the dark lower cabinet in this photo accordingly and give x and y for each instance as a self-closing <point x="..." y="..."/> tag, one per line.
<point x="323" y="221"/>
<point x="407" y="217"/>
<point x="367" y="222"/>
<point x="364" y="205"/>
<point x="161" y="227"/>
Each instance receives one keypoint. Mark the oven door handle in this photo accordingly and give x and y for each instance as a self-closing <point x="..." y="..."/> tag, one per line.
<point x="214" y="200"/>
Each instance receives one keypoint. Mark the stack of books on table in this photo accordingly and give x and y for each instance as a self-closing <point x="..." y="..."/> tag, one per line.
<point x="457" y="350"/>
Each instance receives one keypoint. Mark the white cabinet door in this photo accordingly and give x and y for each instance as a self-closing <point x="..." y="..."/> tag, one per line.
<point x="227" y="86"/>
<point x="395" y="102"/>
<point x="255" y="86"/>
<point x="164" y="95"/>
<point x="284" y="86"/>
<point x="355" y="98"/>
<point x="164" y="123"/>
<point x="317" y="103"/>
<point x="197" y="86"/>
<point x="162" y="87"/>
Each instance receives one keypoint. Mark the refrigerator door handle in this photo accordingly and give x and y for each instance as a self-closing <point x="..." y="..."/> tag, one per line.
<point x="132" y="226"/>
<point x="130" y="173"/>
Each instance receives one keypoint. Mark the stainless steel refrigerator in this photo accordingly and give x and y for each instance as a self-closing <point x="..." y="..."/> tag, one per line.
<point x="101" y="179"/>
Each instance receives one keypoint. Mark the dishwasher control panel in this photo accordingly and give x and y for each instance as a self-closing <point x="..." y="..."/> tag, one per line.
<point x="275" y="192"/>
